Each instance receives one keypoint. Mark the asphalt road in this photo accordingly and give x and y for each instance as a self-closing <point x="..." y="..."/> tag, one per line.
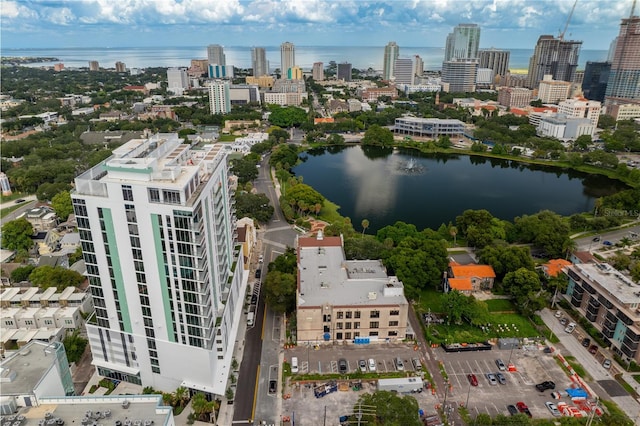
<point x="260" y="362"/>
<point x="17" y="212"/>
<point x="588" y="243"/>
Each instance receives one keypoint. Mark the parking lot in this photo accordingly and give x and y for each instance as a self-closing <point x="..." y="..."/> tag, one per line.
<point x="323" y="358"/>
<point x="533" y="366"/>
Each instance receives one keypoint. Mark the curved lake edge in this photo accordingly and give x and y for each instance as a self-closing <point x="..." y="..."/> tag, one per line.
<point x="564" y="166"/>
<point x="444" y="156"/>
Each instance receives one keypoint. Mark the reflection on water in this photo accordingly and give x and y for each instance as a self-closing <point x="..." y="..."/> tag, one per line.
<point x="367" y="184"/>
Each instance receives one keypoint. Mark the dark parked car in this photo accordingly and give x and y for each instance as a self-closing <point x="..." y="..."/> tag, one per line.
<point x="258" y="273"/>
<point x="607" y="243"/>
<point x="545" y="385"/>
<point x="20" y="200"/>
<point x="472" y="379"/>
<point x="512" y="410"/>
<point x="273" y="386"/>
<point x="342" y="366"/>
<point x="596" y="239"/>
<point x="586" y="342"/>
<point x="593" y="349"/>
<point x="254" y="299"/>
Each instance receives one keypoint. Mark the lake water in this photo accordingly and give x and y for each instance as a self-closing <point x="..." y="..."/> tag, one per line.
<point x="361" y="57"/>
<point x="373" y="184"/>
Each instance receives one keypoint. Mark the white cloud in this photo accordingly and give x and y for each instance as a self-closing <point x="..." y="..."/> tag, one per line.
<point x="62" y="16"/>
<point x="14" y="10"/>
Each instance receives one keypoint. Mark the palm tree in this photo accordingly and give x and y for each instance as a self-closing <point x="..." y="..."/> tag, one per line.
<point x="317" y="208"/>
<point x="167" y="399"/>
<point x="365" y="225"/>
<point x="182" y="396"/>
<point x="453" y="231"/>
<point x="625" y="241"/>
<point x="200" y="405"/>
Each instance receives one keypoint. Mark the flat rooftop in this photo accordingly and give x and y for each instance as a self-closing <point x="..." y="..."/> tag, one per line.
<point x="103" y="410"/>
<point x="618" y="286"/>
<point x="23" y="371"/>
<point x="326" y="277"/>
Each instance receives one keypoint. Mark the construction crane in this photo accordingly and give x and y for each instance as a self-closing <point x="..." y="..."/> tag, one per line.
<point x="561" y="36"/>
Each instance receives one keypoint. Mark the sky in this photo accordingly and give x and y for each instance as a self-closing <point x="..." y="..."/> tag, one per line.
<point x="154" y="23"/>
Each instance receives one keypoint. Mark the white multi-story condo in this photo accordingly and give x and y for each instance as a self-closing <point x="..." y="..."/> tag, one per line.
<point x="219" y="97"/>
<point x="287" y="58"/>
<point x="391" y="53"/>
<point x="156" y="222"/>
<point x="259" y="61"/>
<point x="581" y="108"/>
<point x="215" y="55"/>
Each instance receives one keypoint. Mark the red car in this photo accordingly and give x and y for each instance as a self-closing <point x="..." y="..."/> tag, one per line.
<point x="473" y="379"/>
<point x="522" y="407"/>
<point x="593" y="349"/>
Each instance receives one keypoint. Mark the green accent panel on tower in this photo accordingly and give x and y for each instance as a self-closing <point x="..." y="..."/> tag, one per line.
<point x="157" y="240"/>
<point x="117" y="269"/>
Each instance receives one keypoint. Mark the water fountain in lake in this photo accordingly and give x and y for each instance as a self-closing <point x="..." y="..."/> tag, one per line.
<point x="411" y="167"/>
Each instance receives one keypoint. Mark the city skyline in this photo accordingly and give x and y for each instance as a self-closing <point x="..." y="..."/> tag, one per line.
<point x="100" y="23"/>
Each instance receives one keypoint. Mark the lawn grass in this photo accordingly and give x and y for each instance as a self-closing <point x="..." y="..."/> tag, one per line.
<point x="636" y="377"/>
<point x="329" y="212"/>
<point x="626" y="386"/>
<point x="227" y="138"/>
<point x="577" y="367"/>
<point x="500" y="305"/>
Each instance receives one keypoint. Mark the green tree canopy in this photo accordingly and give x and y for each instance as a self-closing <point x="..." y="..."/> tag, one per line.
<point x="285" y="155"/>
<point x="256" y="206"/>
<point x="286" y="116"/>
<point x="74" y="345"/>
<point x="61" y="203"/>
<point x="16" y="235"/>
<point x="545" y="229"/>
<point x="55" y="276"/>
<point x="397" y="232"/>
<point x="390" y="409"/>
<point x="245" y="168"/>
<point x="379" y="136"/>
<point x="524" y="286"/>
<point x="287" y="263"/>
<point x="506" y="259"/>
<point x="280" y="291"/>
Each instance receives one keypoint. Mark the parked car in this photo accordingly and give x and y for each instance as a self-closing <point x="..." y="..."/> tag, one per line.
<point x="558" y="314"/>
<point x="260" y="259"/>
<point x="501" y="378"/>
<point x="417" y="365"/>
<point x="596" y="239"/>
<point x="512" y="409"/>
<point x="606" y="363"/>
<point x="254" y="299"/>
<point x="20" y="200"/>
<point x="501" y="365"/>
<point x="607" y="243"/>
<point x="545" y="385"/>
<point x="372" y="364"/>
<point x="522" y="407"/>
<point x="553" y="408"/>
<point x="570" y="327"/>
<point x="399" y="364"/>
<point x="563" y="321"/>
<point x="593" y="349"/>
<point x="492" y="379"/>
<point x="363" y="365"/>
<point x="472" y="379"/>
<point x="273" y="386"/>
<point x="586" y="342"/>
<point x="342" y="366"/>
<point x="258" y="273"/>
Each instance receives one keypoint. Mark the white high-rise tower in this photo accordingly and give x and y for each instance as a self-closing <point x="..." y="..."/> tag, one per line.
<point x="287" y="58"/>
<point x="156" y="224"/>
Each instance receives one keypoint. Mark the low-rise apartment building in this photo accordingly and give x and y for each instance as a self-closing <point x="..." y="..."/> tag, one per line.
<point x="346" y="301"/>
<point x="611" y="302"/>
<point x="428" y="127"/>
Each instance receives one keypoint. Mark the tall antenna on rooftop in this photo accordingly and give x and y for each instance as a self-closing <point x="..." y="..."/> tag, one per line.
<point x="561" y="36"/>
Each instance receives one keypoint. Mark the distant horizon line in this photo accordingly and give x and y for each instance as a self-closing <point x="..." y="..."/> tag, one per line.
<point x="263" y="46"/>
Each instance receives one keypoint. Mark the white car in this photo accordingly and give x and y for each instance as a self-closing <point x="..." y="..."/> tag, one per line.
<point x="553" y="408"/>
<point x="372" y="364"/>
<point x="558" y="314"/>
<point x="260" y="259"/>
<point x="570" y="327"/>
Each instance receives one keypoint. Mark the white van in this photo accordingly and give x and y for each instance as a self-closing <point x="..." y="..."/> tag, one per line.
<point x="250" y="317"/>
<point x="294" y="364"/>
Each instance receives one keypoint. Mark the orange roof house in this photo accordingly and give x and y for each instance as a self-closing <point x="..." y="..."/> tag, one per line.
<point x="469" y="278"/>
<point x="554" y="267"/>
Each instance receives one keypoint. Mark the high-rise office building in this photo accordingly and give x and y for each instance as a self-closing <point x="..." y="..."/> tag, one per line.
<point x="156" y="224"/>
<point x="177" y="80"/>
<point x="553" y="56"/>
<point x="391" y="53"/>
<point x="403" y="71"/>
<point x="496" y="59"/>
<point x="317" y="71"/>
<point x="623" y="86"/>
<point x="219" y="97"/>
<point x="215" y="55"/>
<point x="259" y="62"/>
<point x="418" y="66"/>
<point x="594" y="82"/>
<point x="94" y="66"/>
<point x="287" y="58"/>
<point x="344" y="71"/>
<point x="459" y="76"/>
<point x="612" y="49"/>
<point x="121" y="67"/>
<point x="463" y="42"/>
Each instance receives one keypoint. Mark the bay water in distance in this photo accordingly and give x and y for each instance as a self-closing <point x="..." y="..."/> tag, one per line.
<point x="361" y="57"/>
<point x="373" y="183"/>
